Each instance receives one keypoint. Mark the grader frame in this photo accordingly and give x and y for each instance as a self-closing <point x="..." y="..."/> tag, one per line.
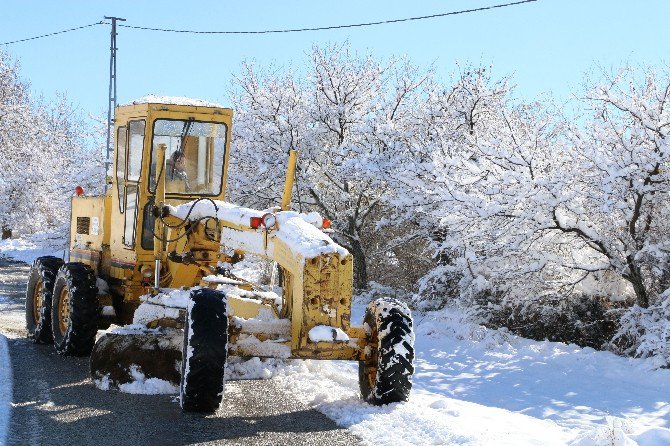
<point x="164" y="225"/>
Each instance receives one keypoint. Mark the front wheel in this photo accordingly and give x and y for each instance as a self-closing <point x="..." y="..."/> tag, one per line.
<point x="38" y="298"/>
<point x="205" y="351"/>
<point x="385" y="376"/>
<point x="74" y="310"/>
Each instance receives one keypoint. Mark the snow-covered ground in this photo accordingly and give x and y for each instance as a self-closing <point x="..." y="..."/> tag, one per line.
<point x="486" y="387"/>
<point x="475" y="386"/>
<point x="26" y="249"/>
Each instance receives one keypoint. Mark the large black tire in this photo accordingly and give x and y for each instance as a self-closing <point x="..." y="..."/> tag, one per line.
<point x="386" y="375"/>
<point x="205" y="351"/>
<point x="38" y="298"/>
<point x="74" y="310"/>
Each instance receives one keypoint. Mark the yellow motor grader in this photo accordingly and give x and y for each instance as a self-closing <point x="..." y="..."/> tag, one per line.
<point x="152" y="259"/>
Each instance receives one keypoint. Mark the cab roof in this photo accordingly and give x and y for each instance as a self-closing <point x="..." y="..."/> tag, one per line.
<point x="173" y="100"/>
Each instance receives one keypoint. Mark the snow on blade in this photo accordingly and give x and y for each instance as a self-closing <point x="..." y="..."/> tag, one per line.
<point x="143" y="386"/>
<point x="268" y="348"/>
<point x="166" y="304"/>
<point x="103" y="383"/>
<point x="265" y="322"/>
<point x="170" y="297"/>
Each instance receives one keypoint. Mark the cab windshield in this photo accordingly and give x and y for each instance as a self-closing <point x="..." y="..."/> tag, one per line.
<point x="194" y="156"/>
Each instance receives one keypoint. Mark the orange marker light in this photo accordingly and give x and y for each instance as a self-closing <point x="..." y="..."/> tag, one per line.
<point x="325" y="224"/>
<point x="79" y="191"/>
<point x="255" y="222"/>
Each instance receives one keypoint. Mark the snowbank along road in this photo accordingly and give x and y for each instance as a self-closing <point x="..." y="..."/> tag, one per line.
<point x="55" y="402"/>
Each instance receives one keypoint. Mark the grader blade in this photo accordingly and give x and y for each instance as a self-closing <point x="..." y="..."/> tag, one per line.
<point x="119" y="358"/>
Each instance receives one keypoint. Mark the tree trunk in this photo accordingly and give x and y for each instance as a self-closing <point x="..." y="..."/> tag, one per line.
<point x="360" y="268"/>
<point x="635" y="278"/>
<point x="6" y="233"/>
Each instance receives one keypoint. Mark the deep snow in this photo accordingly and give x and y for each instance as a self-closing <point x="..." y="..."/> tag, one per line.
<point x="475" y="386"/>
<point x="478" y="386"/>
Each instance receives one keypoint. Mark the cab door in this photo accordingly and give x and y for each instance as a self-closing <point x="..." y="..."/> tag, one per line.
<point x="129" y="151"/>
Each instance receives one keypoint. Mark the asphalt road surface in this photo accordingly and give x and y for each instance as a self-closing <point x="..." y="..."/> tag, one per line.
<point x="55" y="403"/>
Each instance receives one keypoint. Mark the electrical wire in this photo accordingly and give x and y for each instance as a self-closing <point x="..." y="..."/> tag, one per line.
<point x="323" y="28"/>
<point x="278" y="31"/>
<point x="54" y="33"/>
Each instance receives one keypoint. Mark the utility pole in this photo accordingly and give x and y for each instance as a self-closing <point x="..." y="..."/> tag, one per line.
<point x="112" y="93"/>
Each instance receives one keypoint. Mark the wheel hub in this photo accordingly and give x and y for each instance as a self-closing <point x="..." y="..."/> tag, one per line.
<point x="371" y="362"/>
<point x="37" y="302"/>
<point x="64" y="311"/>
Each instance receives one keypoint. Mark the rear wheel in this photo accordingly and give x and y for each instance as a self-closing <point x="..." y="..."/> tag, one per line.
<point x="74" y="310"/>
<point x="205" y="351"/>
<point x="385" y="376"/>
<point x="38" y="298"/>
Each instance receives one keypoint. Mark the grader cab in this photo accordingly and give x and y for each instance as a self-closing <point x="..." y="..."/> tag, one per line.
<point x="150" y="263"/>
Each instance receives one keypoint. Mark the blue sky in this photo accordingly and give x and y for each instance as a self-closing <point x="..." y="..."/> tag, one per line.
<point x="547" y="46"/>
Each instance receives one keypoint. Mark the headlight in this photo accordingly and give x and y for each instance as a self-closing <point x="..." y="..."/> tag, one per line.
<point x="269" y="221"/>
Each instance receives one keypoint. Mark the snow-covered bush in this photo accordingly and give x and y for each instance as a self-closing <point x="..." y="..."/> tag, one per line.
<point x="376" y="290"/>
<point x="645" y="332"/>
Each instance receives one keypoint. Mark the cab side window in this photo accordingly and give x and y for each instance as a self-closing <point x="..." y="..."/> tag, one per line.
<point x="121" y="136"/>
<point x="133" y="169"/>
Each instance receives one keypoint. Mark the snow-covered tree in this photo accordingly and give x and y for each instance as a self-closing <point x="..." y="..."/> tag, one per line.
<point x="44" y="154"/>
<point x="341" y="120"/>
<point x="528" y="205"/>
<point x="617" y="203"/>
<point x="14" y="114"/>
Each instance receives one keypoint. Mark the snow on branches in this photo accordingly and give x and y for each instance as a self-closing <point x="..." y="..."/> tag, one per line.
<point x="516" y="200"/>
<point x="43" y="156"/>
<point x="530" y="203"/>
<point x="342" y="119"/>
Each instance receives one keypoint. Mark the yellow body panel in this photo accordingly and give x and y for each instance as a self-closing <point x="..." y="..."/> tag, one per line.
<point x="87" y="231"/>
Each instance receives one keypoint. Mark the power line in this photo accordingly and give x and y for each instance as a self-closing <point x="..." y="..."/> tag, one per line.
<point x="323" y="28"/>
<point x="277" y="31"/>
<point x="53" y="34"/>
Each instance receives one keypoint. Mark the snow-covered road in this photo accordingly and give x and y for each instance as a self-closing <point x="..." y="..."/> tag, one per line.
<point x="53" y="401"/>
